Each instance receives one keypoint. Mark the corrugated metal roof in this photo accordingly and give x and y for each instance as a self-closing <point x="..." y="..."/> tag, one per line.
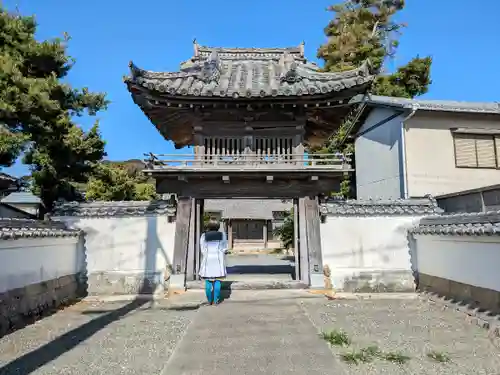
<point x="21" y="197"/>
<point x="435" y="105"/>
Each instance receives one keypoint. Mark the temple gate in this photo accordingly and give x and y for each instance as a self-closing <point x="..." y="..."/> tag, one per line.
<point x="250" y="114"/>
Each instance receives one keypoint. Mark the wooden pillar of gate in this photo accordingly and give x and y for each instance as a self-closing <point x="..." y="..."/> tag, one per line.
<point x="302" y="242"/>
<point x="189" y="226"/>
<point x="310" y="258"/>
<point x="313" y="222"/>
<point x="264" y="233"/>
<point x="230" y="233"/>
<point x="191" y="250"/>
<point x="181" y="241"/>
<point x="199" y="211"/>
<point x="296" y="242"/>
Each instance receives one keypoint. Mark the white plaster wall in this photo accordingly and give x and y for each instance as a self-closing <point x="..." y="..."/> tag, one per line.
<point x="128" y="245"/>
<point x="430" y="154"/>
<point x="27" y="207"/>
<point x="33" y="260"/>
<point x="379" y="173"/>
<point x="5" y="211"/>
<point x="469" y="260"/>
<point x="355" y="245"/>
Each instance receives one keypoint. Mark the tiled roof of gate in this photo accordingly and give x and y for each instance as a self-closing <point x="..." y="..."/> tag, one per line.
<point x="399" y="207"/>
<point x="468" y="224"/>
<point x="250" y="73"/>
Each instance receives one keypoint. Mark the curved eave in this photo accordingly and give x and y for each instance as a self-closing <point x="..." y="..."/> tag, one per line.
<point x="250" y="82"/>
<point x="154" y="95"/>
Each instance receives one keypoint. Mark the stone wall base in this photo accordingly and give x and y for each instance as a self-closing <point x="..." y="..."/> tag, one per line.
<point x="473" y="295"/>
<point x="111" y="283"/>
<point x="22" y="306"/>
<point x="373" y="281"/>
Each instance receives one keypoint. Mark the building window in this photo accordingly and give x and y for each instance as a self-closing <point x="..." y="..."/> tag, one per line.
<point x="477" y="150"/>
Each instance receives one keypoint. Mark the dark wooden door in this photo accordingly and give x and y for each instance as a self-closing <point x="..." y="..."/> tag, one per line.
<point x="248" y="229"/>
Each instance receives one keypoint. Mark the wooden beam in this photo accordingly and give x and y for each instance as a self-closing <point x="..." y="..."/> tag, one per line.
<point x="216" y="188"/>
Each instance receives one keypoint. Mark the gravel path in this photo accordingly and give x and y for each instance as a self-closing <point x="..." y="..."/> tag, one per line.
<point x="413" y="327"/>
<point x="107" y="338"/>
<point x="267" y="332"/>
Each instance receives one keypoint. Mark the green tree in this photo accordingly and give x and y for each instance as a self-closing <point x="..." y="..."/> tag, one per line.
<point x="115" y="182"/>
<point x="37" y="111"/>
<point x="366" y="29"/>
<point x="285" y="232"/>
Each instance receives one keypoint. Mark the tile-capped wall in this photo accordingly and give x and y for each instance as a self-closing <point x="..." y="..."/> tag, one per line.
<point x="42" y="265"/>
<point x="396" y="207"/>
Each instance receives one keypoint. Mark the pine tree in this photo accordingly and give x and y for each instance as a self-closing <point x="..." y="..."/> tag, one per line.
<point x="366" y="29"/>
<point x="115" y="181"/>
<point x="37" y="110"/>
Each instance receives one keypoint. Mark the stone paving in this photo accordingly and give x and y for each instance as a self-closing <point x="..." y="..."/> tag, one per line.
<point x="251" y="267"/>
<point x="252" y="332"/>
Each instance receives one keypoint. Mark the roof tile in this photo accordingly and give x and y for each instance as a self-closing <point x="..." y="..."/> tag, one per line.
<point x="398" y="207"/>
<point x="115" y="209"/>
<point x="462" y="224"/>
<point x="250" y="73"/>
<point x="11" y="229"/>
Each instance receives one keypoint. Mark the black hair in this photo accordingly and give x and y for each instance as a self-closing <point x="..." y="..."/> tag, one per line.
<point x="213" y="224"/>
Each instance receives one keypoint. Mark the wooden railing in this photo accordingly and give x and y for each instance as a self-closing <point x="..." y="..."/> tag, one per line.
<point x="167" y="162"/>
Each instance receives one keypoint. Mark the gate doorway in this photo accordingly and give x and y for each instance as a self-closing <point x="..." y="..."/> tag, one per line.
<point x="256" y="252"/>
<point x="306" y="265"/>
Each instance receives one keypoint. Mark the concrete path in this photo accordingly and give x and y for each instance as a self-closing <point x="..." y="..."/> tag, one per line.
<point x="255" y="332"/>
<point x="252" y="337"/>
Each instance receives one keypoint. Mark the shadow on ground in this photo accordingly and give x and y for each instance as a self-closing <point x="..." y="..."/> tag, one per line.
<point x="35" y="359"/>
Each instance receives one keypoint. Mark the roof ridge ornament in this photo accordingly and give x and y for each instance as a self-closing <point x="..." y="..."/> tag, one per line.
<point x="211" y="69"/>
<point x="196" y="47"/>
<point x="290" y="74"/>
<point x="134" y="70"/>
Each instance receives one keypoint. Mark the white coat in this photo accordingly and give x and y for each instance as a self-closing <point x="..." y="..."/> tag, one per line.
<point x="213" y="259"/>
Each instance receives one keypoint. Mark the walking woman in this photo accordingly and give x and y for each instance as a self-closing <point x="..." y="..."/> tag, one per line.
<point x="213" y="247"/>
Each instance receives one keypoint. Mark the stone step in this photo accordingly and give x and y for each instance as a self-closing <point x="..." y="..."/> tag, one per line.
<point x="251" y="285"/>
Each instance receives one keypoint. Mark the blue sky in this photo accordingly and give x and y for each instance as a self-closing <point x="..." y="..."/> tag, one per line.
<point x="462" y="38"/>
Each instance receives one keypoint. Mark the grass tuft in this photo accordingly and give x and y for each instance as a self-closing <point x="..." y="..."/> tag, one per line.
<point x="438" y="356"/>
<point x="337" y="338"/>
<point x="370" y="353"/>
<point x="364" y="355"/>
<point x="395" y="357"/>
